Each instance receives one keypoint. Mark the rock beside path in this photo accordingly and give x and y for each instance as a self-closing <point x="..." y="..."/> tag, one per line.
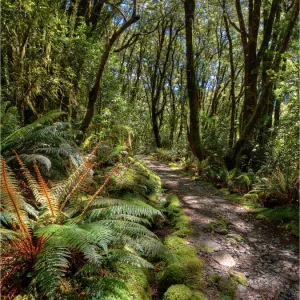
<point x="224" y="258"/>
<point x="208" y="245"/>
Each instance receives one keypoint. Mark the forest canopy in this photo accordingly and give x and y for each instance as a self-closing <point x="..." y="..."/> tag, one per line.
<point x="211" y="86"/>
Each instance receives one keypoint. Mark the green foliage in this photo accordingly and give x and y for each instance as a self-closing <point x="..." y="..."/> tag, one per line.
<point x="283" y="186"/>
<point x="85" y="235"/>
<point x="48" y="145"/>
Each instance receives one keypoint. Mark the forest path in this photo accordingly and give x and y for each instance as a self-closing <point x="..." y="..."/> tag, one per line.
<point x="268" y="258"/>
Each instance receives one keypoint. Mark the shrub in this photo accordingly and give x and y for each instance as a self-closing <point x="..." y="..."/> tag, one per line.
<point x="283" y="186"/>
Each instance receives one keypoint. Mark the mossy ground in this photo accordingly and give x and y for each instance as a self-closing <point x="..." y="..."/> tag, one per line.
<point x="287" y="216"/>
<point x="183" y="268"/>
<point x="182" y="292"/>
<point x="226" y="286"/>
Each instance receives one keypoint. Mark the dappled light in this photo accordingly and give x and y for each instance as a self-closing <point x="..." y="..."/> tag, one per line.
<point x="149" y="150"/>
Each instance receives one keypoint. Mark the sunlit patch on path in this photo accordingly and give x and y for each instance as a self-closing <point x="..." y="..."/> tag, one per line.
<point x="230" y="240"/>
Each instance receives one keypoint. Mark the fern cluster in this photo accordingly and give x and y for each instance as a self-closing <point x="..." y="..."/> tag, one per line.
<point x="60" y="237"/>
<point x="37" y="142"/>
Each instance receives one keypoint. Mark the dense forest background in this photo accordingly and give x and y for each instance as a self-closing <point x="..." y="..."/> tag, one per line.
<point x="211" y="86"/>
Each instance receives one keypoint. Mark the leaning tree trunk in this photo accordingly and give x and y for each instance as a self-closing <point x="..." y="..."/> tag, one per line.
<point x="93" y="94"/>
<point x="193" y="131"/>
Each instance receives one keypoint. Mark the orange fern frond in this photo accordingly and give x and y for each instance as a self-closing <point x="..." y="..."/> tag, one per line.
<point x="76" y="175"/>
<point x="51" y="201"/>
<point x="83" y="177"/>
<point x="100" y="189"/>
<point x="12" y="199"/>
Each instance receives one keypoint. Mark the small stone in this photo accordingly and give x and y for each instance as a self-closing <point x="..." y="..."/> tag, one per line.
<point x="221" y="230"/>
<point x="241" y="288"/>
<point x="224" y="258"/>
<point x="208" y="245"/>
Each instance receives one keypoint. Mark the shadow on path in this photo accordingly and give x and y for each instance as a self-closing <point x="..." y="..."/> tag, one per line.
<point x="268" y="258"/>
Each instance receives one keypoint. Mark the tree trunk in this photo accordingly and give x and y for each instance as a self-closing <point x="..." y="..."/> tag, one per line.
<point x="194" y="122"/>
<point x="93" y="94"/>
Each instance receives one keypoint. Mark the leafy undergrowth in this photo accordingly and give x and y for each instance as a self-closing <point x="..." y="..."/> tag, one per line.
<point x="66" y="244"/>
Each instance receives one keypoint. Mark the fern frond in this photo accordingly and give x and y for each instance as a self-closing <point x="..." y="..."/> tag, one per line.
<point x="76" y="175"/>
<point x="116" y="255"/>
<point x="100" y="189"/>
<point x="81" y="179"/>
<point x="50" y="267"/>
<point x="12" y="199"/>
<point x="22" y="131"/>
<point x="7" y="234"/>
<point x="148" y="246"/>
<point x="51" y="201"/>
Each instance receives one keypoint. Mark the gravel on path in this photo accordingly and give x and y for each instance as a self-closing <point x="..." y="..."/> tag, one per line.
<point x="268" y="258"/>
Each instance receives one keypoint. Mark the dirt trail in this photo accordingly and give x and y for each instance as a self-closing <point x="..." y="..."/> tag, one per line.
<point x="269" y="259"/>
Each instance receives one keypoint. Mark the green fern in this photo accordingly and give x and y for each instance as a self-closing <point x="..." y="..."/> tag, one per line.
<point x="111" y="230"/>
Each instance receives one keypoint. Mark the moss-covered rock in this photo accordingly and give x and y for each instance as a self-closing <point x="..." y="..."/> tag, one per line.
<point x="178" y="292"/>
<point x="236" y="237"/>
<point x="136" y="282"/>
<point x="182" y="232"/>
<point x="137" y="178"/>
<point x="226" y="286"/>
<point x="190" y="272"/>
<point x="181" y="220"/>
<point x="198" y="296"/>
<point x="173" y="206"/>
<point x="218" y="226"/>
<point x="194" y="267"/>
<point x="238" y="277"/>
<point x="172" y="199"/>
<point x="179" y="247"/>
<point x="174" y="273"/>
